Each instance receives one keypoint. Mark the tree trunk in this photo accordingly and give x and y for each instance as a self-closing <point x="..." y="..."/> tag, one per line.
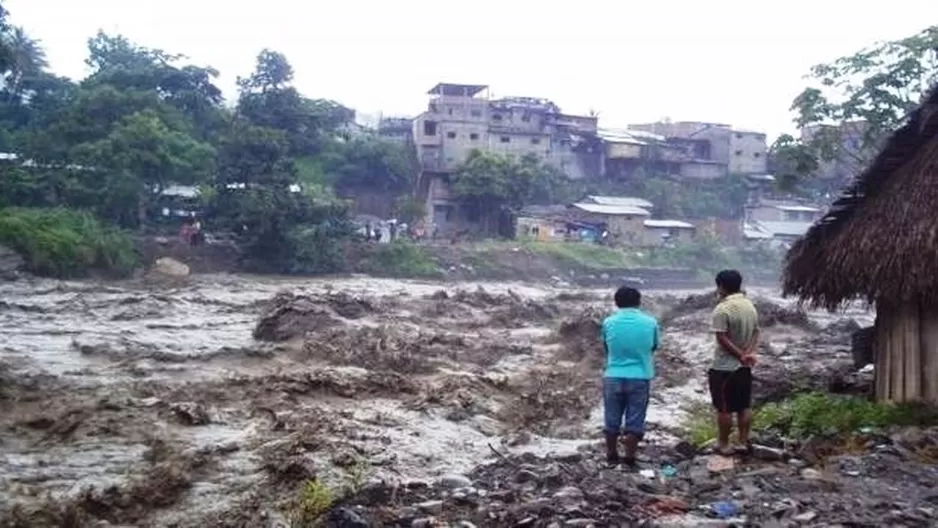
<point x="906" y="346"/>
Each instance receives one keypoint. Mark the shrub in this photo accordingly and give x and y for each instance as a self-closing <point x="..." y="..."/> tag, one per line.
<point x="66" y="243"/>
<point x="315" y="500"/>
<point x="399" y="259"/>
<point x="814" y="413"/>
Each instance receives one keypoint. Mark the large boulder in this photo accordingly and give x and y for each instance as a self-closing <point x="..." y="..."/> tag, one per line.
<point x="170" y="267"/>
<point x="11" y="263"/>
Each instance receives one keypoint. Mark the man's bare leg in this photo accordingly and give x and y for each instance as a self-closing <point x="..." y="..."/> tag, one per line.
<point x="744" y="419"/>
<point x="724" y="427"/>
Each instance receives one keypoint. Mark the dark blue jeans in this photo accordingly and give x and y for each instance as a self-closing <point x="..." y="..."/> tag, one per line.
<point x="628" y="399"/>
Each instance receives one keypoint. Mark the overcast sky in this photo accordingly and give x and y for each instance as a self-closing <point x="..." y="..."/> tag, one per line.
<point x="730" y="61"/>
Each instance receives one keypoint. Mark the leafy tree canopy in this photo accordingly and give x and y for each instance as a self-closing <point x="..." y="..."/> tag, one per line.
<point x="856" y="101"/>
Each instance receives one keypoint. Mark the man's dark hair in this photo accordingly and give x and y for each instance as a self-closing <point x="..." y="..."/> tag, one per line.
<point x="730" y="281"/>
<point x="628" y="297"/>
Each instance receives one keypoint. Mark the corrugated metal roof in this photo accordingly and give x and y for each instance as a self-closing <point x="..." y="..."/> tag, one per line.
<point x="612" y="210"/>
<point x="803" y="208"/>
<point x="621" y="200"/>
<point x="668" y="224"/>
<point x="755" y="231"/>
<point x="633" y="137"/>
<point x="786" y="228"/>
<point x="183" y="191"/>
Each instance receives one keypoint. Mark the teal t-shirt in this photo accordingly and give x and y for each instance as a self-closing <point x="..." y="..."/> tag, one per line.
<point x="630" y="336"/>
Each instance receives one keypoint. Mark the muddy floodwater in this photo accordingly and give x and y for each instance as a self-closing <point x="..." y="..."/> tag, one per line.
<point x="192" y="404"/>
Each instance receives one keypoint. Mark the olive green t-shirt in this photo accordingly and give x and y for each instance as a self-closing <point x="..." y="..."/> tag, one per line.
<point x="736" y="316"/>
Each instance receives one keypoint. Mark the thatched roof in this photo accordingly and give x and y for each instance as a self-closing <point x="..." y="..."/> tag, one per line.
<point x="879" y="241"/>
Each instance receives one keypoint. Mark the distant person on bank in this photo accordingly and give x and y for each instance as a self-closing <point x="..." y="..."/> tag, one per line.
<point x="735" y="323"/>
<point x="630" y="337"/>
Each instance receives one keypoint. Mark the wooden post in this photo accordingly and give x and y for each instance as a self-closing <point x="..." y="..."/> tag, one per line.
<point x="906" y="344"/>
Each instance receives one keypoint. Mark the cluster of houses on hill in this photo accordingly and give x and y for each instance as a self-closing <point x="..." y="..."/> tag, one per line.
<point x="460" y="118"/>
<point x="626" y="220"/>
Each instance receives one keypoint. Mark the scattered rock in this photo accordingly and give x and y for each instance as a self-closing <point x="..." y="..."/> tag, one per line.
<point x="719" y="463"/>
<point x="10" y="263"/>
<point x="190" y="413"/>
<point x="343" y="517"/>
<point x="768" y="454"/>
<point x="811" y="474"/>
<point x="455" y="482"/>
<point x="431" y="506"/>
<point x="170" y="267"/>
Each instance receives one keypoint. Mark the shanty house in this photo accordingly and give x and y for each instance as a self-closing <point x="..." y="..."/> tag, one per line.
<point x="879" y="243"/>
<point x="624" y="222"/>
<point x="660" y="232"/>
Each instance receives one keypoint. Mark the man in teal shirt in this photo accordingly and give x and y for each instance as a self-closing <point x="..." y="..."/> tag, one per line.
<point x="630" y="337"/>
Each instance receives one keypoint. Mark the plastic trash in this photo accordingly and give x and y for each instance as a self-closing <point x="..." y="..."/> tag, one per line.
<point x="647" y="473"/>
<point x="724" y="509"/>
<point x="668" y="470"/>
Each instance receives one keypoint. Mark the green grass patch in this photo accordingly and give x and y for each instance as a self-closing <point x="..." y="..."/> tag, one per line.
<point x="315" y="499"/>
<point x="66" y="243"/>
<point x="572" y="254"/>
<point x="400" y="259"/>
<point x="813" y="413"/>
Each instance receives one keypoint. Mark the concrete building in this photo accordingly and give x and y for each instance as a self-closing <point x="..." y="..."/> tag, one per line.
<point x="748" y="152"/>
<point x="398" y="129"/>
<point x="625" y="223"/>
<point x="461" y="118"/>
<point x="660" y="232"/>
<point x="776" y="221"/>
<point x="710" y="150"/>
<point x="851" y="154"/>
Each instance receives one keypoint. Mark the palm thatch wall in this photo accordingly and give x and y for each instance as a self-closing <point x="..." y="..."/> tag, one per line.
<point x="879" y="241"/>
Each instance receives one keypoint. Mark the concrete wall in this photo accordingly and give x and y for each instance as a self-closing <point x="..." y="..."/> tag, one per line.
<point x="718" y="135"/>
<point x="654" y="236"/>
<point x="703" y="171"/>
<point x="623" y="151"/>
<point x="749" y="153"/>
<point x="771" y="213"/>
<point x="623" y="229"/>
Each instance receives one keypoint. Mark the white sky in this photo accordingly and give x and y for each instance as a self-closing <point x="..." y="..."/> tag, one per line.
<point x="733" y="61"/>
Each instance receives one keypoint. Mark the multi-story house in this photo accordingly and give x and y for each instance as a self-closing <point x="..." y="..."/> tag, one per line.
<point x="748" y="152"/>
<point x="710" y="150"/>
<point x="846" y="147"/>
<point x="461" y="118"/>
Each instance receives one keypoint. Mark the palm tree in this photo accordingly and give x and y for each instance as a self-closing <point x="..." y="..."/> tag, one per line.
<point x="27" y="60"/>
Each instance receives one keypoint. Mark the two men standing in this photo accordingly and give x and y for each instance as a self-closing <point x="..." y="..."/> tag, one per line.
<point x="631" y="336"/>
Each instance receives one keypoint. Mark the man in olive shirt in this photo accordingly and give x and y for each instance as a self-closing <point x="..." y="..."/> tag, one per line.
<point x="735" y="323"/>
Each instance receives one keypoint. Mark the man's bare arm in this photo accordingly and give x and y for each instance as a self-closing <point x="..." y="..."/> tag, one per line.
<point x="753" y="344"/>
<point x="723" y="338"/>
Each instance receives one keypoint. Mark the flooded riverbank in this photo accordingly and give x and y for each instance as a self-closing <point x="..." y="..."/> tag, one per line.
<point x="214" y="400"/>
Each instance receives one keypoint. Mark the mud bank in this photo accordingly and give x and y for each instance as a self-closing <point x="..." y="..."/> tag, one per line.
<point x="215" y="402"/>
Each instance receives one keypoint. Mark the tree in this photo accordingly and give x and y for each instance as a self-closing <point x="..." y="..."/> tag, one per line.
<point x="189" y="89"/>
<point x="142" y="155"/>
<point x="267" y="99"/>
<point x="273" y="72"/>
<point x="28" y="60"/>
<point x="791" y="161"/>
<point x="6" y="53"/>
<point x="858" y="100"/>
<point x="372" y="165"/>
<point x="492" y="185"/>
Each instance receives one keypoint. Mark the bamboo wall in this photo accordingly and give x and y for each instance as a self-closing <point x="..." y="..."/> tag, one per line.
<point x="906" y="353"/>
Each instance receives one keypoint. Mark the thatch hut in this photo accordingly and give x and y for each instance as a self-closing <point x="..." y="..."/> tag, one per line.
<point x="879" y="243"/>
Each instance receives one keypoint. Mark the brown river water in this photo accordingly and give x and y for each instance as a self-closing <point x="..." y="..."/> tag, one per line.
<point x="154" y="404"/>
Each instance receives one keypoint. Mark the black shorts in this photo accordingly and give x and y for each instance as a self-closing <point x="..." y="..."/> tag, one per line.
<point x="731" y="391"/>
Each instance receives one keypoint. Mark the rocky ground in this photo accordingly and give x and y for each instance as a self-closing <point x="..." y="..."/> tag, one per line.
<point x="216" y="401"/>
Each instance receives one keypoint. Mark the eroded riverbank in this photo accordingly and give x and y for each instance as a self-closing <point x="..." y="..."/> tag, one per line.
<point x="152" y="405"/>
